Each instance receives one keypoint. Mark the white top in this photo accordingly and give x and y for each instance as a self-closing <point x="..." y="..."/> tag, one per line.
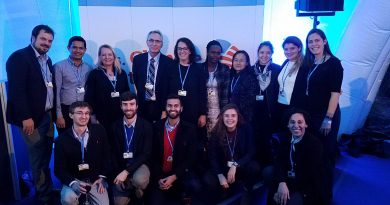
<point x="286" y="83"/>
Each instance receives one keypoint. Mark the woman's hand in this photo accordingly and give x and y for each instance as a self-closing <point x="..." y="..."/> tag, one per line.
<point x="282" y="195"/>
<point x="222" y="181"/>
<point x="326" y="126"/>
<point x="231" y="175"/>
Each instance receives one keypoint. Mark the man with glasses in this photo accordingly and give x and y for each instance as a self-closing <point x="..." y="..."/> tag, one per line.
<point x="70" y="77"/>
<point x="150" y="78"/>
<point x="81" y="158"/>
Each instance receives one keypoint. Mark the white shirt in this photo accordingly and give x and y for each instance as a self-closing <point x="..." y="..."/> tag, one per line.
<point x="286" y="83"/>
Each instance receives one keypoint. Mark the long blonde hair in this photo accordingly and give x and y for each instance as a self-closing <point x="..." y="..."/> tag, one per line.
<point x="298" y="43"/>
<point x="117" y="65"/>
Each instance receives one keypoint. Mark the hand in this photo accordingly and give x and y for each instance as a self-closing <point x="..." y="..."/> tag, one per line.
<point x="202" y="121"/>
<point x="326" y="126"/>
<point x="222" y="181"/>
<point x="79" y="187"/>
<point x="282" y="195"/>
<point x="121" y="177"/>
<point x="28" y="126"/>
<point x="60" y="122"/>
<point x="167" y="182"/>
<point x="100" y="185"/>
<point x="163" y="114"/>
<point x="231" y="175"/>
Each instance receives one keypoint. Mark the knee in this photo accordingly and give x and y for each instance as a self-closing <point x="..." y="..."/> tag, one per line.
<point x="268" y="174"/>
<point x="69" y="198"/>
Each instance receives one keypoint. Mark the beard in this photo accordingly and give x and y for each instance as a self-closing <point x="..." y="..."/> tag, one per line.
<point x="173" y="114"/>
<point x="129" y="114"/>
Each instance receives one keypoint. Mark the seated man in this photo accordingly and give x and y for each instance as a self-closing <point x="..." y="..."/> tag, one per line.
<point x="81" y="157"/>
<point x="131" y="149"/>
<point x="174" y="153"/>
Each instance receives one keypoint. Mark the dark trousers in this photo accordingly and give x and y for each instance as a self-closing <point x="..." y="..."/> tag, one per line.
<point x="68" y="121"/>
<point x="150" y="111"/>
<point x="40" y="145"/>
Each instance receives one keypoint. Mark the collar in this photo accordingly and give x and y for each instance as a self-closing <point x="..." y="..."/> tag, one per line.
<point x="86" y="133"/>
<point x="37" y="55"/>
<point x="132" y="124"/>
<point x="73" y="64"/>
<point x="295" y="140"/>
<point x="156" y="58"/>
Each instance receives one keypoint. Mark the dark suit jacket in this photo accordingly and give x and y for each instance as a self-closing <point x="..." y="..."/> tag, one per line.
<point x="141" y="143"/>
<point x="184" y="154"/>
<point x="140" y="68"/>
<point x="298" y="96"/>
<point x="67" y="155"/>
<point x="26" y="87"/>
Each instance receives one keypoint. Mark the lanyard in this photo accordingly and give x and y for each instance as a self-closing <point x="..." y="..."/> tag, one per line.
<point x="81" y="140"/>
<point x="169" y="129"/>
<point x="155" y="64"/>
<point x="113" y="83"/>
<point x="285" y="78"/>
<point x="77" y="72"/>
<point x="234" y="145"/>
<point x="128" y="142"/>
<point x="43" y="63"/>
<point x="292" y="148"/>
<point x="185" y="77"/>
<point x="233" y="84"/>
<point x="311" y="72"/>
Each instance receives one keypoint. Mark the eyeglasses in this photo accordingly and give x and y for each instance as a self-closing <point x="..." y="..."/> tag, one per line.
<point x="182" y="49"/>
<point x="154" y="41"/>
<point x="82" y="113"/>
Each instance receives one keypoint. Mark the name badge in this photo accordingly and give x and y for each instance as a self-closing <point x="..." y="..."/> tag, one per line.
<point x="169" y="159"/>
<point x="49" y="84"/>
<point x="211" y="93"/>
<point x="80" y="90"/>
<point x="182" y="93"/>
<point x="127" y="155"/>
<point x="83" y="167"/>
<point x="230" y="163"/>
<point x="259" y="97"/>
<point x="291" y="174"/>
<point x="114" y="94"/>
<point x="149" y="86"/>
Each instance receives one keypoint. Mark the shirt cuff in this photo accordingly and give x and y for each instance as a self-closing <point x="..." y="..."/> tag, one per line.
<point x="71" y="183"/>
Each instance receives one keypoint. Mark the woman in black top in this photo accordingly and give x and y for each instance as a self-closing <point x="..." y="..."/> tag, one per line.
<point x="217" y="83"/>
<point x="299" y="168"/>
<point x="232" y="150"/>
<point x="324" y="89"/>
<point x="187" y="80"/>
<point x="104" y="86"/>
<point x="243" y="85"/>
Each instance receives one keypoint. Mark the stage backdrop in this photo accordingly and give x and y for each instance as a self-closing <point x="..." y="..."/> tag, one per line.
<point x="124" y="24"/>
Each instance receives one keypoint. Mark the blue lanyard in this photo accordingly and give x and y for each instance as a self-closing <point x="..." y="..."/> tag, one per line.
<point x="285" y="78"/>
<point x="44" y="71"/>
<point x="81" y="140"/>
<point x="185" y="77"/>
<point x="234" y="145"/>
<point x="169" y="129"/>
<point x="233" y="84"/>
<point x="77" y="72"/>
<point x="128" y="143"/>
<point x="113" y="83"/>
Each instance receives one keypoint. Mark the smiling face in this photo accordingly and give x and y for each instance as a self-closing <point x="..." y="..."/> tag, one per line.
<point x="107" y="57"/>
<point x="265" y="55"/>
<point x="239" y="62"/>
<point x="77" y="50"/>
<point x="316" y="44"/>
<point x="80" y="116"/>
<point x="214" y="54"/>
<point x="155" y="43"/>
<point x="291" y="51"/>
<point x="230" y="119"/>
<point x="42" y="42"/>
<point x="173" y="108"/>
<point x="129" y="108"/>
<point x="183" y="52"/>
<point x="297" y="125"/>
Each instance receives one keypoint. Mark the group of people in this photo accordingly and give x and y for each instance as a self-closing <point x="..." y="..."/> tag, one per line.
<point x="190" y="130"/>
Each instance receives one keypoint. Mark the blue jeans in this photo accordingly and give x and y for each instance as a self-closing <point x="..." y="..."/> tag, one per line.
<point x="40" y="145"/>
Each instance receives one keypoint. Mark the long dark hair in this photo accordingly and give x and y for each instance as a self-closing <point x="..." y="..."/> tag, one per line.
<point x="220" y="129"/>
<point x="309" y="57"/>
<point x="248" y="60"/>
<point x="298" y="43"/>
<point x="190" y="46"/>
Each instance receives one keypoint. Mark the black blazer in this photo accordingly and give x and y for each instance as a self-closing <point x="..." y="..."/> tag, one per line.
<point x="26" y="87"/>
<point x="140" y="68"/>
<point x="67" y="155"/>
<point x="298" y="97"/>
<point x="184" y="154"/>
<point x="142" y="145"/>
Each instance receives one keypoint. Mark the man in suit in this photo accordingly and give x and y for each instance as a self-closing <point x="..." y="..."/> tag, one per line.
<point x="174" y="154"/>
<point x="132" y="147"/>
<point x="150" y="78"/>
<point x="70" y="76"/>
<point x="81" y="158"/>
<point x="30" y="103"/>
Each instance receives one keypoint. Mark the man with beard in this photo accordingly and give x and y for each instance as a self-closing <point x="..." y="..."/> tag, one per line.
<point x="174" y="153"/>
<point x="70" y="77"/>
<point x="132" y="147"/>
<point x="150" y="78"/>
<point x="81" y="159"/>
<point x="30" y="102"/>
